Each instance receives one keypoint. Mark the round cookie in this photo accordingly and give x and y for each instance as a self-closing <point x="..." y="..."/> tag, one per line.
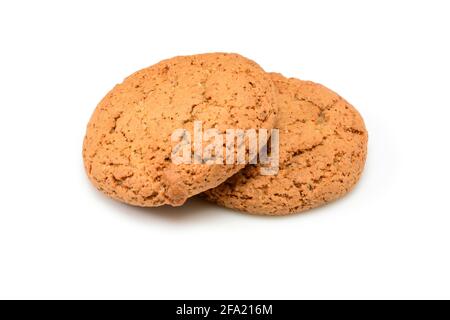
<point x="128" y="143"/>
<point x="323" y="146"/>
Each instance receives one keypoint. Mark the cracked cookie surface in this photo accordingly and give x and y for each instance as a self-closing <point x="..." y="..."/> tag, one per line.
<point x="323" y="147"/>
<point x="127" y="147"/>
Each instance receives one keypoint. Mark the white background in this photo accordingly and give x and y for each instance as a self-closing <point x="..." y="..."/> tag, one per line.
<point x="60" y="238"/>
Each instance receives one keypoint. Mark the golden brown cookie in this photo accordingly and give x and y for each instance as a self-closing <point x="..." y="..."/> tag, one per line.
<point x="127" y="148"/>
<point x="323" y="146"/>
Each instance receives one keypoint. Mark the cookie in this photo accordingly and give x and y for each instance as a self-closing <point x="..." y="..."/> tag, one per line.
<point x="322" y="151"/>
<point x="127" y="149"/>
